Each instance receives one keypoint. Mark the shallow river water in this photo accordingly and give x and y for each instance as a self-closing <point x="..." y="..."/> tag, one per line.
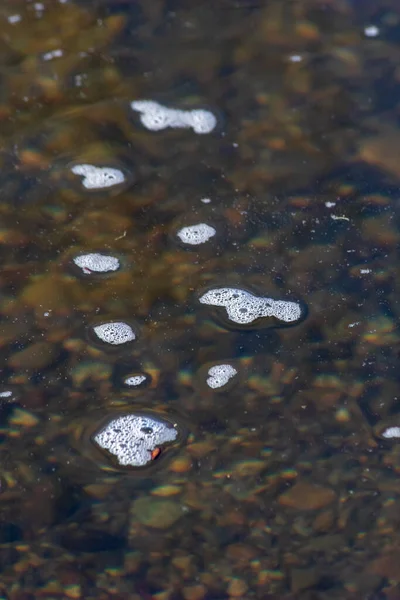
<point x="199" y="300"/>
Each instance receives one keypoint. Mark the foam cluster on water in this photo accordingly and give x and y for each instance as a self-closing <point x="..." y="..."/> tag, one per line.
<point x="115" y="333"/>
<point x="133" y="438"/>
<point x="96" y="263"/>
<point x="135" y="380"/>
<point x="97" y="178"/>
<point x="155" y="116"/>
<point x="220" y="375"/>
<point x="195" y="235"/>
<point x="391" y="433"/>
<point x="243" y="307"/>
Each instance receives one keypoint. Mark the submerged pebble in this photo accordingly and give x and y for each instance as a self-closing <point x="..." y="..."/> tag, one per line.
<point x="155" y="116"/>
<point x="135" y="440"/>
<point x="96" y="263"/>
<point x="114" y="333"/>
<point x="243" y="307"/>
<point x="157" y="513"/>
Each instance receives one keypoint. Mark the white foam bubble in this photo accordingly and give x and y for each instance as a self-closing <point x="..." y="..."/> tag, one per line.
<point x="196" y="234"/>
<point x="371" y="31"/>
<point x="115" y="333"/>
<point x="155" y="116"/>
<point x="219" y="375"/>
<point x="135" y="380"/>
<point x="14" y="19"/>
<point x="391" y="432"/>
<point x="53" y="54"/>
<point x="132" y="438"/>
<point x="96" y="263"/>
<point x="243" y="307"/>
<point x="6" y="394"/>
<point x="95" y="178"/>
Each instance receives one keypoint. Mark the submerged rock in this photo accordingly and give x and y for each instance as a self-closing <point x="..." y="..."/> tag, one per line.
<point x="156" y="513"/>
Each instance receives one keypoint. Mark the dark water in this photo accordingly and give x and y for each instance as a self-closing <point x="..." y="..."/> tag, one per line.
<point x="243" y="145"/>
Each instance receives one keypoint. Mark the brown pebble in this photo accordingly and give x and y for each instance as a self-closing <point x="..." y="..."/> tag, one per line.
<point x="324" y="521"/>
<point x="157" y="513"/>
<point x="237" y="587"/>
<point x="35" y="356"/>
<point x="201" y="449"/>
<point x="386" y="565"/>
<point x="194" y="592"/>
<point x="182" y="464"/>
<point x="240" y="554"/>
<point x="307" y="496"/>
<point x="301" y="579"/>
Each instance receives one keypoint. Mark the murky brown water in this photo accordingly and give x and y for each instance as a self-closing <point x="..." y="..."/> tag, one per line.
<point x="199" y="315"/>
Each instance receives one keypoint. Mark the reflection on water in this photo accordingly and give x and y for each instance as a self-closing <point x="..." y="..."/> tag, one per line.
<point x="199" y="232"/>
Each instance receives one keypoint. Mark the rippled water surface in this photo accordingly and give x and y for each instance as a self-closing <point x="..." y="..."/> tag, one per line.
<point x="199" y="300"/>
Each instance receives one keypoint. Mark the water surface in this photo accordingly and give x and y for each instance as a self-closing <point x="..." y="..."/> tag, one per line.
<point x="195" y="146"/>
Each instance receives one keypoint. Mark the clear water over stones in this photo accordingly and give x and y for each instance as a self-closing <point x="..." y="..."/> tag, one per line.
<point x="245" y="308"/>
<point x="135" y="440"/>
<point x="156" y="117"/>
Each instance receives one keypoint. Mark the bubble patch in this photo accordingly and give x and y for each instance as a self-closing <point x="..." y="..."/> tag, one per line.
<point x="391" y="432"/>
<point x="156" y="117"/>
<point x="115" y="333"/>
<point x="133" y="438"/>
<point x="243" y="308"/>
<point x="96" y="263"/>
<point x="195" y="235"/>
<point x="96" y="178"/>
<point x="220" y="375"/>
<point x="135" y="380"/>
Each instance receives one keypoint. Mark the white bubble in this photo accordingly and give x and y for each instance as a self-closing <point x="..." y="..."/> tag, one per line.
<point x="219" y="375"/>
<point x="202" y="121"/>
<point x="243" y="307"/>
<point x="14" y="19"/>
<point x="155" y="116"/>
<point x="196" y="234"/>
<point x="371" y="31"/>
<point x="391" y="432"/>
<point x="96" y="263"/>
<point x="115" y="333"/>
<point x="295" y="58"/>
<point x="53" y="54"/>
<point x="205" y="200"/>
<point x="6" y="394"/>
<point x="132" y="438"/>
<point x="95" y="178"/>
<point x="135" y="380"/>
